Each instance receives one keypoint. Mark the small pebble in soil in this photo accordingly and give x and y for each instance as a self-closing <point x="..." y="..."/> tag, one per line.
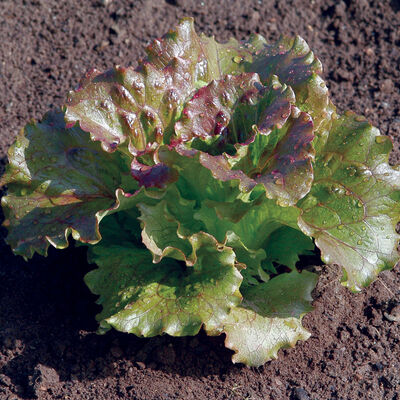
<point x="369" y="52"/>
<point x="43" y="378"/>
<point x="387" y="86"/>
<point x="394" y="315"/>
<point x="5" y="380"/>
<point x="377" y="366"/>
<point x="140" y="365"/>
<point x="300" y="394"/>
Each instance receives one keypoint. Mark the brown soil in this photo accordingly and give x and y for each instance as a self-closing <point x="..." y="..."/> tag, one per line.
<point x="48" y="345"/>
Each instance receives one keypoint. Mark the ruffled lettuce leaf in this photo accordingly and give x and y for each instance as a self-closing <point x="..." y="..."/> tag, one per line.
<point x="168" y="224"/>
<point x="162" y="234"/>
<point x="272" y="140"/>
<point x="296" y="66"/>
<point x="149" y="299"/>
<point x="354" y="204"/>
<point x="139" y="106"/>
<point x="59" y="182"/>
<point x="253" y="235"/>
<point x="224" y="112"/>
<point x="269" y="318"/>
<point x="250" y="223"/>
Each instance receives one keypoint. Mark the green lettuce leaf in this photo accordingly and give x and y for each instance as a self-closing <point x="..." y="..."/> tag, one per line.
<point x="269" y="318"/>
<point x="254" y="235"/>
<point x="162" y="235"/>
<point x="149" y="299"/>
<point x="195" y="181"/>
<point x="284" y="247"/>
<point x="354" y="204"/>
<point x="254" y="227"/>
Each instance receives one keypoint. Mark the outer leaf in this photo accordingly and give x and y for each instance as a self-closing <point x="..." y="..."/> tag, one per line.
<point x="59" y="182"/>
<point x="150" y="299"/>
<point x="354" y="205"/>
<point x="140" y="106"/>
<point x="269" y="318"/>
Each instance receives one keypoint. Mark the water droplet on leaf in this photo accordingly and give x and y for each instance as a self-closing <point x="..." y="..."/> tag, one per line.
<point x="352" y="170"/>
<point x="380" y="139"/>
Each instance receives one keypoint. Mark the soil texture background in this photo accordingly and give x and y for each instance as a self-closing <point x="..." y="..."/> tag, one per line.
<point x="48" y="345"/>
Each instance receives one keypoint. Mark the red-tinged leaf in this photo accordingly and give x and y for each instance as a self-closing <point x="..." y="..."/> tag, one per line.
<point x="295" y="64"/>
<point x="59" y="182"/>
<point x="285" y="171"/>
<point x="158" y="175"/>
<point x="140" y="106"/>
